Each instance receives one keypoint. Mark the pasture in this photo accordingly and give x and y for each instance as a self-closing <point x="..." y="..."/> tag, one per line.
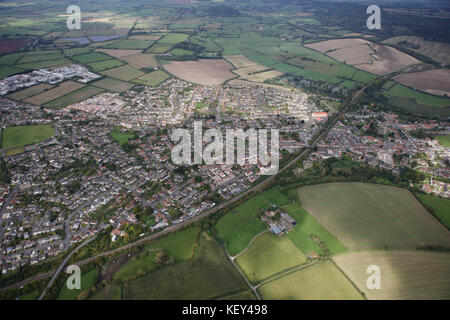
<point x="20" y="136"/>
<point x="153" y="78"/>
<point x="369" y="216"/>
<point x="112" y="84"/>
<point x="116" y="53"/>
<point x="321" y="281"/>
<point x="439" y="205"/>
<point x="88" y="279"/>
<point x="91" y="57"/>
<point x="30" y="91"/>
<point x="239" y="226"/>
<point x="173" y="38"/>
<point x="444" y="140"/>
<point x="105" y="64"/>
<point x="139" y="61"/>
<point x="123" y="73"/>
<point x="405" y="275"/>
<point x="204" y="71"/>
<point x="268" y="255"/>
<point x="209" y="275"/>
<point x="6" y="71"/>
<point x="422" y="98"/>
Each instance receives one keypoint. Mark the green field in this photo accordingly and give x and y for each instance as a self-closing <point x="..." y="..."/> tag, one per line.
<point x="370" y="216"/>
<point x="181" y="52"/>
<point x="422" y="98"/>
<point x="322" y="281"/>
<point x="152" y="79"/>
<point x="74" y="97"/>
<point x="20" y="136"/>
<point x="112" y="85"/>
<point x="444" y="140"/>
<point x="121" y="136"/>
<point x="123" y="73"/>
<point x="239" y="226"/>
<point x="173" y="38"/>
<point x="130" y="44"/>
<point x="160" y="48"/>
<point x="91" y="57"/>
<point x="88" y="279"/>
<point x="440" y="206"/>
<point x="244" y="295"/>
<point x="33" y="295"/>
<point x="6" y="71"/>
<point x="30" y="91"/>
<point x="179" y="246"/>
<point x="44" y="64"/>
<point x="209" y="275"/>
<point x="268" y="255"/>
<point x="105" y="64"/>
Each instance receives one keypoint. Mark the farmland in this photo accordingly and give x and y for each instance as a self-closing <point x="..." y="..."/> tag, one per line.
<point x="74" y="97"/>
<point x="153" y="78"/>
<point x="112" y="84"/>
<point x="88" y="279"/>
<point x="239" y="226"/>
<point x="268" y="255"/>
<point x="368" y="216"/>
<point x="422" y="98"/>
<point x="20" y="136"/>
<point x="438" y="205"/>
<point x="411" y="274"/>
<point x="31" y="91"/>
<point x="123" y="73"/>
<point x="52" y="94"/>
<point x="139" y="61"/>
<point x="319" y="281"/>
<point x="105" y="64"/>
<point x="204" y="71"/>
<point x="91" y="57"/>
<point x="435" y="81"/>
<point x="173" y="38"/>
<point x="207" y="276"/>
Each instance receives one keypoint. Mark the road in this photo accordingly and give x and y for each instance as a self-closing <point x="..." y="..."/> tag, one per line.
<point x="210" y="211"/>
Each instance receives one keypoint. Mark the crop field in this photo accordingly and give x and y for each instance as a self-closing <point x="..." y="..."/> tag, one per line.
<point x="435" y="81"/>
<point x="10" y="45"/>
<point x="145" y="37"/>
<point x="365" y="55"/>
<point x="263" y="76"/>
<point x="209" y="275"/>
<point x="239" y="61"/>
<point x="422" y="98"/>
<point x="88" y="279"/>
<point x="44" y="64"/>
<point x="322" y="281"/>
<point x="74" y="97"/>
<point x="268" y="255"/>
<point x="116" y="53"/>
<point x="139" y="61"/>
<point x="123" y="73"/>
<point x="52" y="94"/>
<point x="204" y="71"/>
<point x="439" y="205"/>
<point x="30" y="91"/>
<point x="173" y="38"/>
<point x="437" y="51"/>
<point x="412" y="274"/>
<point x="239" y="226"/>
<point x="153" y="78"/>
<point x="130" y="44"/>
<point x="91" y="57"/>
<point x="20" y="136"/>
<point x="112" y="85"/>
<point x="105" y="64"/>
<point x="10" y="59"/>
<point x="160" y="48"/>
<point x="369" y="216"/>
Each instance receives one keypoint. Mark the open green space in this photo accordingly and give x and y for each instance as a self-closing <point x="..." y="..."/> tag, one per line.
<point x="239" y="226"/>
<point x="88" y="279"/>
<point x="439" y="206"/>
<point x="130" y="44"/>
<point x="74" y="97"/>
<point x="174" y="38"/>
<point x="20" y="136"/>
<point x="153" y="78"/>
<point x="444" y="140"/>
<point x="112" y="84"/>
<point x="91" y="57"/>
<point x="121" y="136"/>
<point x="268" y="255"/>
<point x="105" y="64"/>
<point x="123" y="73"/>
<point x="110" y="292"/>
<point x="422" y="98"/>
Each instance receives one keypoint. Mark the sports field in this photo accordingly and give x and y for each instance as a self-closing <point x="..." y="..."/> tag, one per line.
<point x="239" y="226"/>
<point x="322" y="281"/>
<point x="412" y="274"/>
<point x="20" y="136"/>
<point x="363" y="216"/>
<point x="268" y="255"/>
<point x="210" y="275"/>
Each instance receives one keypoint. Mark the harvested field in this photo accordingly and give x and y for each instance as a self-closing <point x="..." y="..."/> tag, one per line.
<point x="74" y="97"/>
<point x="322" y="281"/>
<point x="411" y="274"/>
<point x="139" y="61"/>
<point x="118" y="53"/>
<point x="365" y="55"/>
<point x="432" y="81"/>
<point x="263" y="76"/>
<point x="52" y="94"/>
<point x="239" y="60"/>
<point x="28" y="92"/>
<point x="438" y="51"/>
<point x="370" y="216"/>
<point x="123" y="73"/>
<point x="245" y="71"/>
<point x="204" y="71"/>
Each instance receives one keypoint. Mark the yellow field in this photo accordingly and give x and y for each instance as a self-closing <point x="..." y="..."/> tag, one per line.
<point x="410" y="274"/>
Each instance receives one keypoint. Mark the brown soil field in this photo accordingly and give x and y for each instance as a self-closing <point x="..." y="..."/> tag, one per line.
<point x="432" y="81"/>
<point x="206" y="72"/>
<point x="365" y="55"/>
<point x="119" y="53"/>
<point x="438" y="51"/>
<point x="239" y="61"/>
<point x="10" y="45"/>
<point x="404" y="275"/>
<point x="142" y="60"/>
<point x="49" y="95"/>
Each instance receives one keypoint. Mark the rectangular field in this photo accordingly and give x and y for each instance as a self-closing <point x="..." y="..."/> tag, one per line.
<point x="322" y="281"/>
<point x="52" y="94"/>
<point x="112" y="85"/>
<point x="30" y="91"/>
<point x="20" y="136"/>
<point x="153" y="79"/>
<point x="174" y="38"/>
<point x="139" y="61"/>
<point x="74" y="97"/>
<point x="123" y="73"/>
<point x="105" y="64"/>
<point x="369" y="216"/>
